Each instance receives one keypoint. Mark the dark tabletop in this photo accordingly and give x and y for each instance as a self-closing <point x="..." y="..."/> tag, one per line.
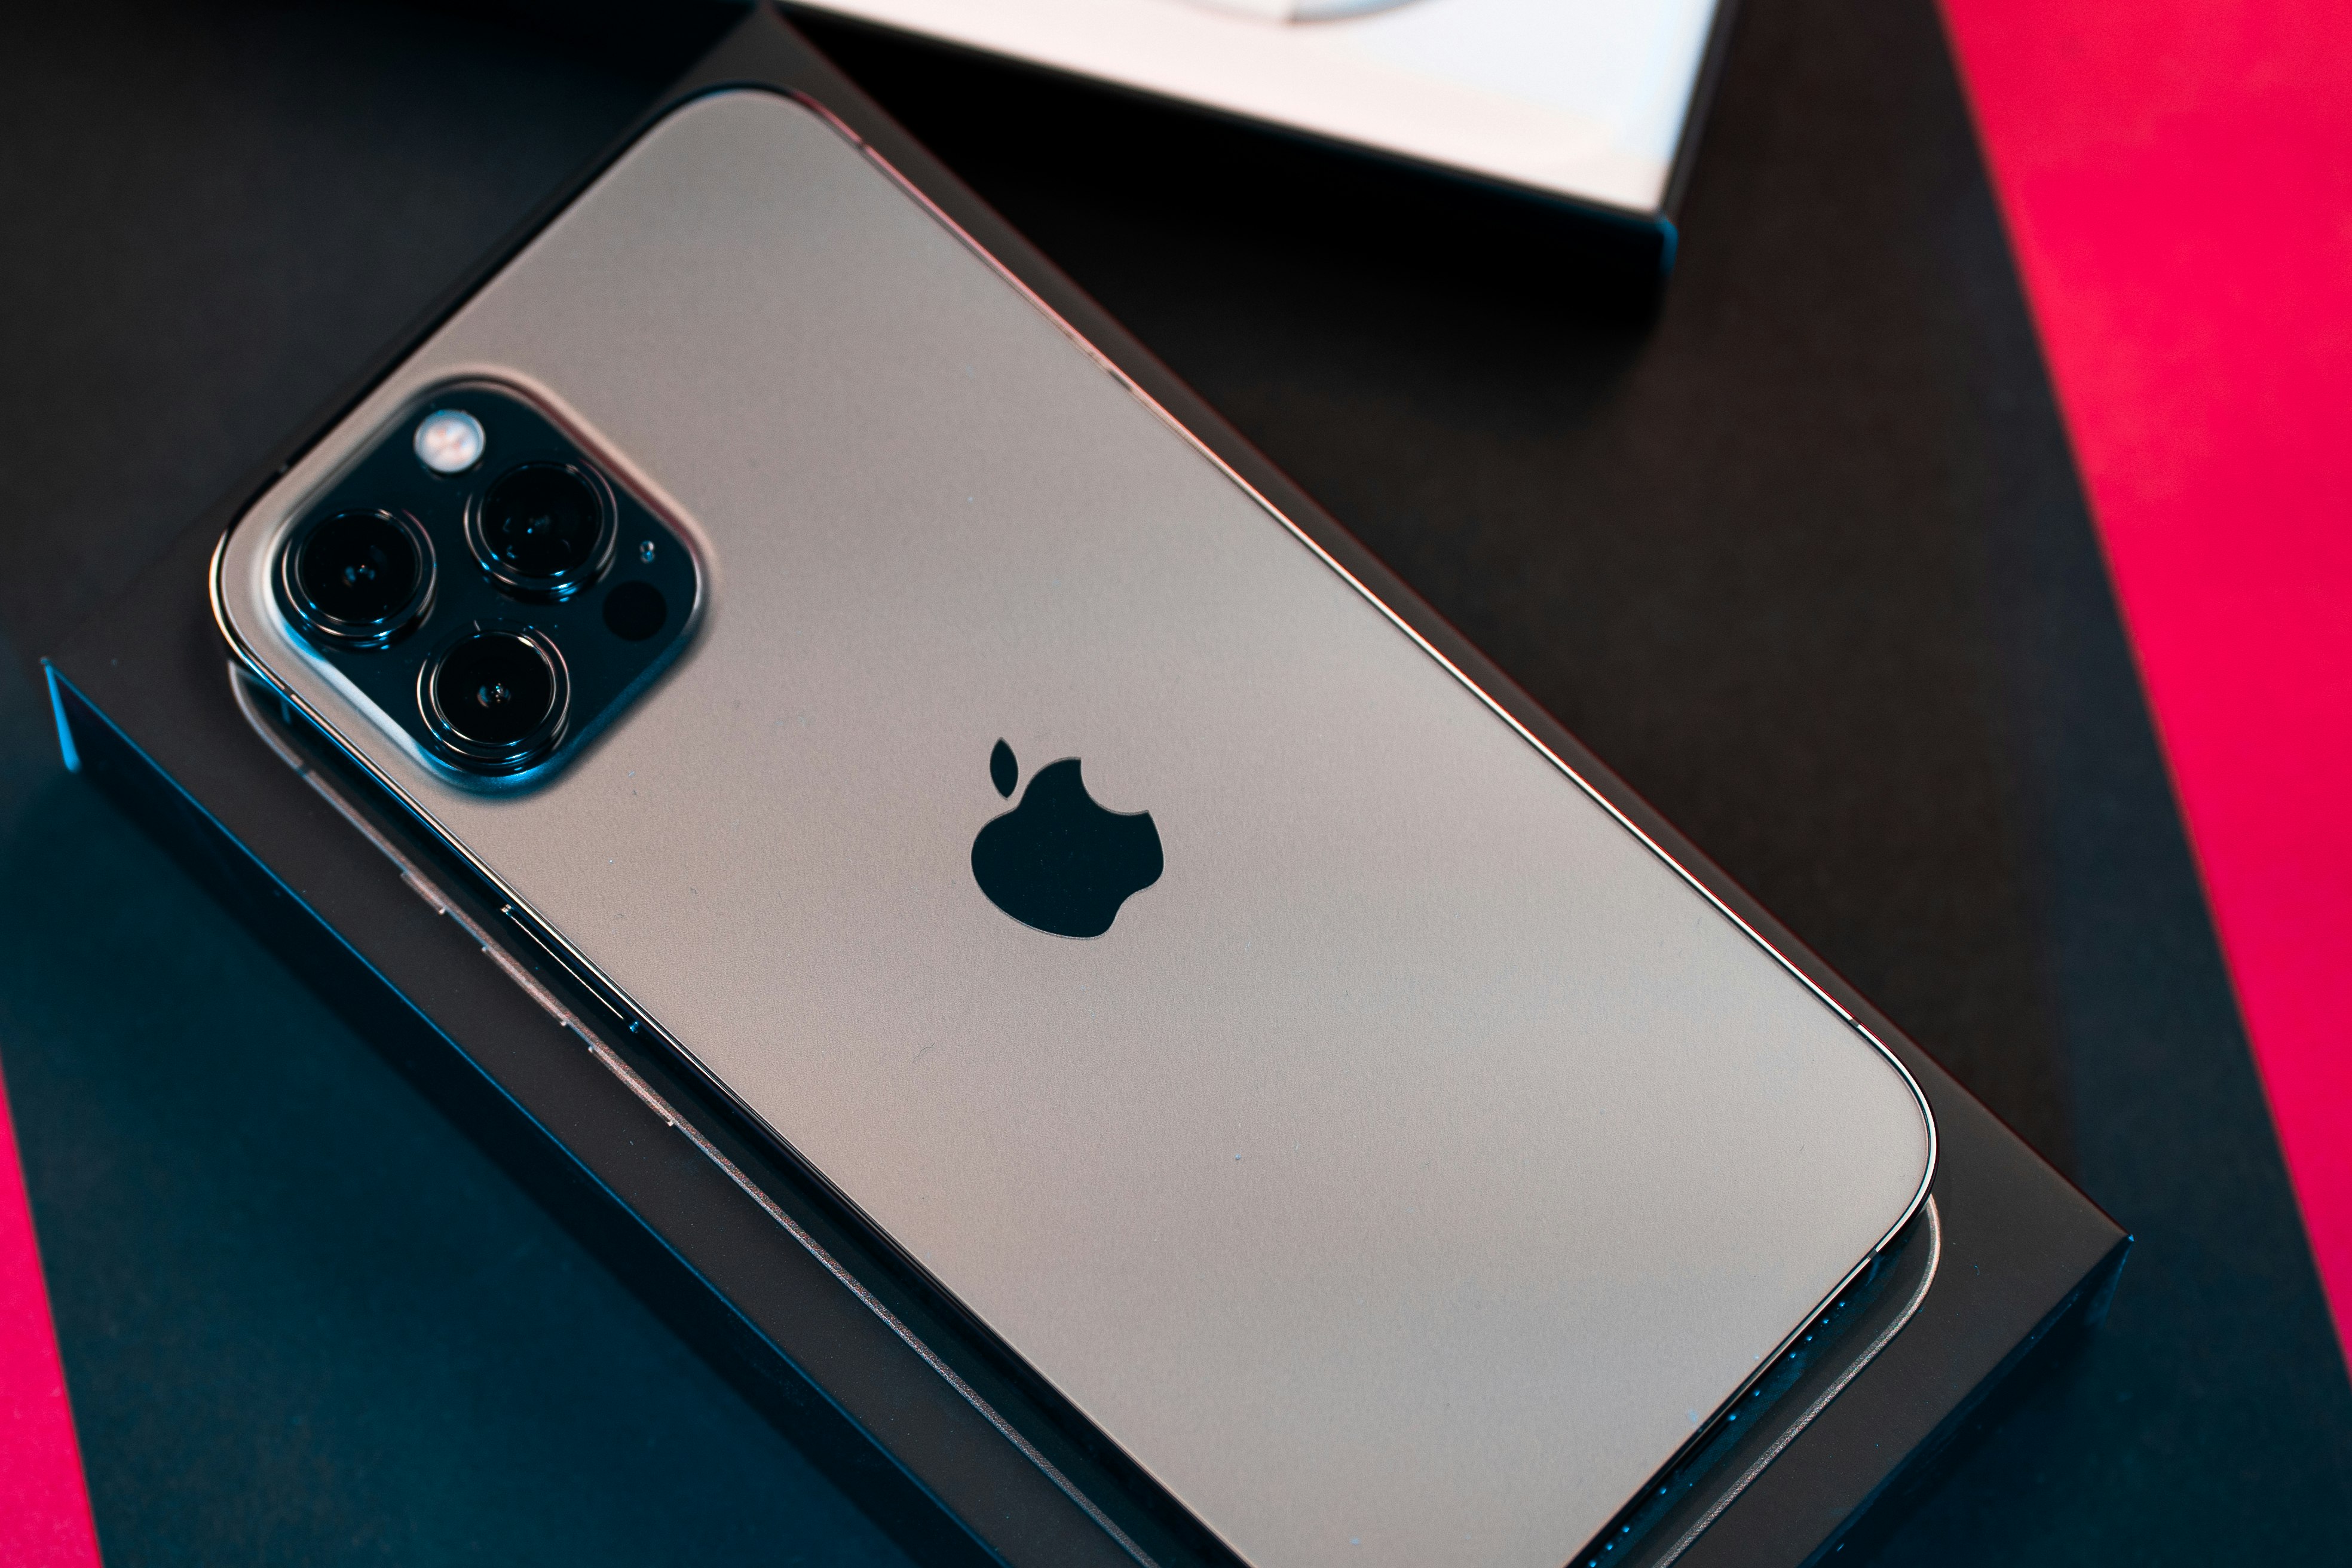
<point x="1801" y="552"/>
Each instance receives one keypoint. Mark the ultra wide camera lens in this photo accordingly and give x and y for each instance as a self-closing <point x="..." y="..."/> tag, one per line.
<point x="359" y="577"/>
<point x="543" y="529"/>
<point x="494" y="700"/>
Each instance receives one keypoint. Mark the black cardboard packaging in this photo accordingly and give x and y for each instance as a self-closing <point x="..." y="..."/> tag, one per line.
<point x="952" y="1447"/>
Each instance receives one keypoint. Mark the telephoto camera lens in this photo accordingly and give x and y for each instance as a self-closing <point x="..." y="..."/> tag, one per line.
<point x="359" y="577"/>
<point x="543" y="531"/>
<point x="494" y="700"/>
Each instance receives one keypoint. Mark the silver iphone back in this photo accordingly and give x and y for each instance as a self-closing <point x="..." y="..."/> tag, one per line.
<point x="1410" y="1168"/>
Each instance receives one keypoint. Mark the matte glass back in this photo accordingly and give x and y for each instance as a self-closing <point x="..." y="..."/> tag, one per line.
<point x="1410" y="1168"/>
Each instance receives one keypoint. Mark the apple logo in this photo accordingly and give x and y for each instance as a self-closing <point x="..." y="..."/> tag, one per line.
<point x="1058" y="861"/>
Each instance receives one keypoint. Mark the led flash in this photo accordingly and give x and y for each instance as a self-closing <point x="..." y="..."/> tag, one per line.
<point x="449" y="441"/>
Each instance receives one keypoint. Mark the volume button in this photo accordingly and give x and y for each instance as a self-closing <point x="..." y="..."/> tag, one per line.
<point x="534" y="990"/>
<point x="414" y="879"/>
<point x="424" y="889"/>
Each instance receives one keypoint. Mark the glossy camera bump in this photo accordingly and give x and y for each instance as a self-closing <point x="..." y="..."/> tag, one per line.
<point x="539" y="628"/>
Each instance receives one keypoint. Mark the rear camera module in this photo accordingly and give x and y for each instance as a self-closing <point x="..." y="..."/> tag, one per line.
<point x="484" y="586"/>
<point x="543" y="530"/>
<point x="358" y="578"/>
<point x="494" y="700"/>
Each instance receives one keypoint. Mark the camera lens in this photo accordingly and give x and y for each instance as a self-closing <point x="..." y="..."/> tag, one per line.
<point x="542" y="529"/>
<point x="360" y="578"/>
<point x="494" y="700"/>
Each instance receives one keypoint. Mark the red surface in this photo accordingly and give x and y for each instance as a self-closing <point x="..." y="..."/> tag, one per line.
<point x="44" y="1511"/>
<point x="2178" y="180"/>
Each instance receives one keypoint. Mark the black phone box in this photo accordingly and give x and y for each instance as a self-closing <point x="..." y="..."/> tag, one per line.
<point x="953" y="1447"/>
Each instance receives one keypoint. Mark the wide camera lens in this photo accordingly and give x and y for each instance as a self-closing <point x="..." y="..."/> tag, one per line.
<point x="360" y="576"/>
<point x="494" y="700"/>
<point x="543" y="529"/>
